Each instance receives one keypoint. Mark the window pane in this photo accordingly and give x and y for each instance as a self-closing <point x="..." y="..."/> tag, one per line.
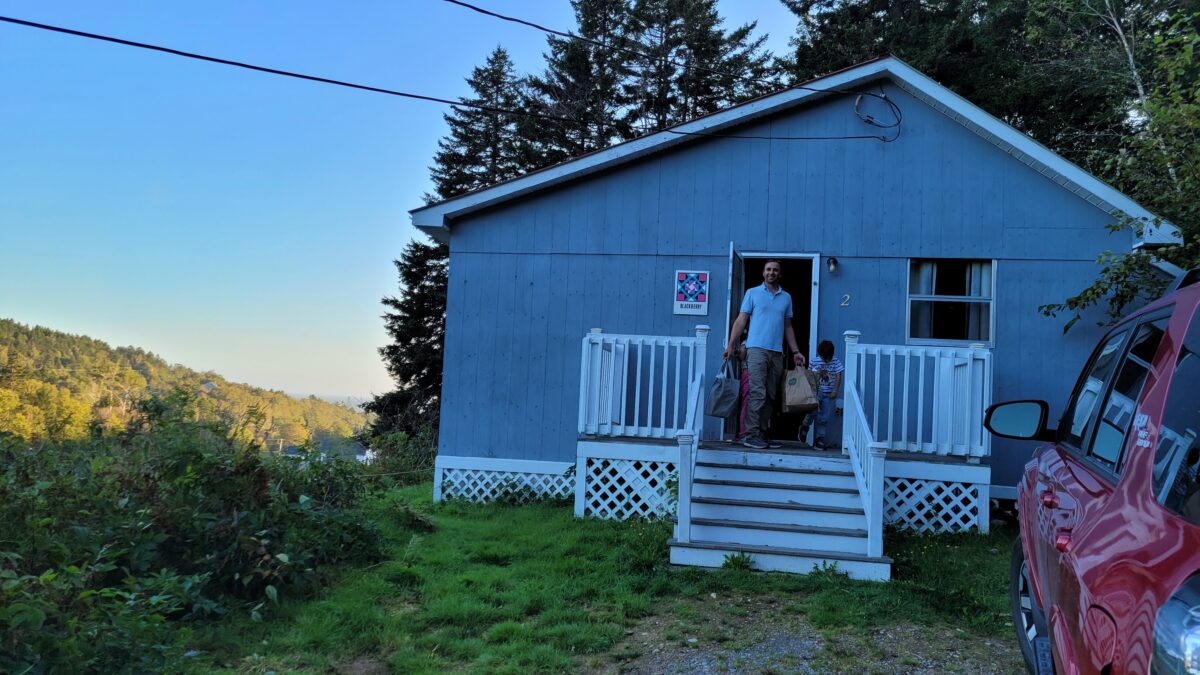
<point x="950" y="320"/>
<point x="920" y="277"/>
<point x="1127" y="389"/>
<point x="1177" y="458"/>
<point x="951" y="277"/>
<point x="1084" y="404"/>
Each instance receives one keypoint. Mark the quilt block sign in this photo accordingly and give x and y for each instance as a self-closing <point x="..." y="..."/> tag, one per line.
<point x="691" y="293"/>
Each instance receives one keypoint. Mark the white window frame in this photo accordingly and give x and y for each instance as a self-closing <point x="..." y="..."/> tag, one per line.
<point x="909" y="298"/>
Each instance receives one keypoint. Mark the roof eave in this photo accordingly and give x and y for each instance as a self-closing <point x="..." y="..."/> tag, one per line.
<point x="435" y="219"/>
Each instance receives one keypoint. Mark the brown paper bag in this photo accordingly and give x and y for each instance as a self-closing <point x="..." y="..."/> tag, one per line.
<point x="799" y="391"/>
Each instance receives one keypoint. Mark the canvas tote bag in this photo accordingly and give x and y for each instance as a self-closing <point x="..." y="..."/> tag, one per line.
<point x="799" y="392"/>
<point x="723" y="395"/>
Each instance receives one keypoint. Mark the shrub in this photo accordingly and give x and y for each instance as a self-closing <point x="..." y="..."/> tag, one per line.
<point x="105" y="543"/>
<point x="401" y="459"/>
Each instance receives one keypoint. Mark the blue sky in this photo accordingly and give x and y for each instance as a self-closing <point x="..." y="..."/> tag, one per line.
<point x="229" y="220"/>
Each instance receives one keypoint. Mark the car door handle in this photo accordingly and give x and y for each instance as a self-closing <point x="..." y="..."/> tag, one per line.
<point x="1062" y="540"/>
<point x="1049" y="500"/>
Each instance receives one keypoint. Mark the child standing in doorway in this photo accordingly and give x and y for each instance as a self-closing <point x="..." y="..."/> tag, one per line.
<point x="829" y="370"/>
<point x="745" y="391"/>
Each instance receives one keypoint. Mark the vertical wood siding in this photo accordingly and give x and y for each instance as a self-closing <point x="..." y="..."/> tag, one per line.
<point x="529" y="278"/>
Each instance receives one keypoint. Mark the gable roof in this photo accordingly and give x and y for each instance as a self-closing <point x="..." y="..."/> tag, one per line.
<point x="435" y="219"/>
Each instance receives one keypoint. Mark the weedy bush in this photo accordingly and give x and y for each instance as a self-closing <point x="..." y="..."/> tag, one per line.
<point x="738" y="561"/>
<point x="106" y="544"/>
<point x="403" y="459"/>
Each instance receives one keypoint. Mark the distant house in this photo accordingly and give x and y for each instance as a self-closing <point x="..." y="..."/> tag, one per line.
<point x="589" y="303"/>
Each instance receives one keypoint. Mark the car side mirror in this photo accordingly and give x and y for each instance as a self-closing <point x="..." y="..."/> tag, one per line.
<point x="1023" y="420"/>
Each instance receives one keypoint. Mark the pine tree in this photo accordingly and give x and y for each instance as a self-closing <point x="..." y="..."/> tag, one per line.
<point x="656" y="29"/>
<point x="483" y="146"/>
<point x="690" y="65"/>
<point x="733" y="66"/>
<point x="583" y="82"/>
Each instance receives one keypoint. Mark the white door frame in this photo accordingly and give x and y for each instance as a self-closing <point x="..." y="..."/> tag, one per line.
<point x="814" y="304"/>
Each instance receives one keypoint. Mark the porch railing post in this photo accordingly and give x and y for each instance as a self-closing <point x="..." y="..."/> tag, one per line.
<point x="589" y="382"/>
<point x="852" y="364"/>
<point x="876" y="458"/>
<point x="683" y="514"/>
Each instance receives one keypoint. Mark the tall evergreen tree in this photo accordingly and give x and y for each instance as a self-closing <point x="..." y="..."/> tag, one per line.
<point x="689" y="65"/>
<point x="481" y="147"/>
<point x="728" y="67"/>
<point x="583" y="82"/>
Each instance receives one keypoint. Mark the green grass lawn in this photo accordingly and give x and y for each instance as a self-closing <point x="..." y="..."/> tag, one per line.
<point x="530" y="588"/>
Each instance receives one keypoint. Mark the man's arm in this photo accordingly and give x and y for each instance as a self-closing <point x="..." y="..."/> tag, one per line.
<point x="837" y="386"/>
<point x="789" y="335"/>
<point x="739" y="325"/>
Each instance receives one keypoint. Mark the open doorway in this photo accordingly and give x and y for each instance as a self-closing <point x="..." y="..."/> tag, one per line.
<point x="800" y="281"/>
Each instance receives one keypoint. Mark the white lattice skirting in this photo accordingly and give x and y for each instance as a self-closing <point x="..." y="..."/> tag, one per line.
<point x="934" y="505"/>
<point x="618" y="481"/>
<point x="480" y="479"/>
<point x="618" y="489"/>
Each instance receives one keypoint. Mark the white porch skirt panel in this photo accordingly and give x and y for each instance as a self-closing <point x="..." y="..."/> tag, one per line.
<point x="618" y="481"/>
<point x="483" y="479"/>
<point x="937" y="497"/>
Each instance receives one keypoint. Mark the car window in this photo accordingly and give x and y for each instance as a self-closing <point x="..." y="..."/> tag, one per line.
<point x="1177" y="457"/>
<point x="1083" y="406"/>
<point x="1108" y="442"/>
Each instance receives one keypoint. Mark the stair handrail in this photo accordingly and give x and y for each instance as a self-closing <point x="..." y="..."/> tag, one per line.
<point x="689" y="448"/>
<point x="867" y="457"/>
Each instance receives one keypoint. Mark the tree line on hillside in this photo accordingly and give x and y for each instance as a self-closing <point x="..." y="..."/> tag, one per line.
<point x="1111" y="85"/>
<point x="60" y="387"/>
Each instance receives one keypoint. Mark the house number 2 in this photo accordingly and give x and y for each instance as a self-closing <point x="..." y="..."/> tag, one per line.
<point x="846" y="300"/>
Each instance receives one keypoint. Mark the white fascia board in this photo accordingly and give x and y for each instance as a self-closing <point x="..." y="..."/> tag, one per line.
<point x="434" y="219"/>
<point x="1027" y="150"/>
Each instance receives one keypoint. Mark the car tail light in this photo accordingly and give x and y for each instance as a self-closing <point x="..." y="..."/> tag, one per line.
<point x="1177" y="631"/>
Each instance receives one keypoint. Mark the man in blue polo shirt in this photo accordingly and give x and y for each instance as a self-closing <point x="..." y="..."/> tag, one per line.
<point x="768" y="310"/>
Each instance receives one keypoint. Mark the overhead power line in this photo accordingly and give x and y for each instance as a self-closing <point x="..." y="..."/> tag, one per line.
<point x="276" y="71"/>
<point x="450" y="102"/>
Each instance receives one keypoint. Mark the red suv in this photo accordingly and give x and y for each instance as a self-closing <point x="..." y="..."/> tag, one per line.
<point x="1106" y="572"/>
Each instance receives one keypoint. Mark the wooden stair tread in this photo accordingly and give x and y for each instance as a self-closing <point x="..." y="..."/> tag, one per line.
<point x="779" y="469"/>
<point x="792" y="506"/>
<point x="781" y="486"/>
<point x="779" y="550"/>
<point x="781" y="527"/>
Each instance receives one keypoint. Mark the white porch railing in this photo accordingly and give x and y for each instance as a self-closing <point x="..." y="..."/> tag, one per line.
<point x="638" y="385"/>
<point x="922" y="399"/>
<point x="689" y="448"/>
<point x="867" y="458"/>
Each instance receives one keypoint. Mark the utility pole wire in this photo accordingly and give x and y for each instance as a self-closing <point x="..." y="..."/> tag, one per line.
<point x="284" y="73"/>
<point x="445" y="101"/>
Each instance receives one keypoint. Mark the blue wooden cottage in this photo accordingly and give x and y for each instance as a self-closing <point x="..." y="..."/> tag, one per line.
<point x="589" y="304"/>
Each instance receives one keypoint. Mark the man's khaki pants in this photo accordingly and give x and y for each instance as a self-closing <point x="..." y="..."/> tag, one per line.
<point x="766" y="369"/>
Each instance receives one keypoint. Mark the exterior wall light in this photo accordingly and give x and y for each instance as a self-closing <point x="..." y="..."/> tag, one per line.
<point x="833" y="265"/>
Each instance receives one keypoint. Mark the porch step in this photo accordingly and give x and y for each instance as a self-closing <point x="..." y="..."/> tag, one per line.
<point x="793" y="513"/>
<point x="779" y="458"/>
<point x="842" y="497"/>
<point x="776" y="535"/>
<point x="700" y="553"/>
<point x="784" y="475"/>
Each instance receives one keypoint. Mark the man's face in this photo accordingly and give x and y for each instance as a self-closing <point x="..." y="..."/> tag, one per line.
<point x="771" y="273"/>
